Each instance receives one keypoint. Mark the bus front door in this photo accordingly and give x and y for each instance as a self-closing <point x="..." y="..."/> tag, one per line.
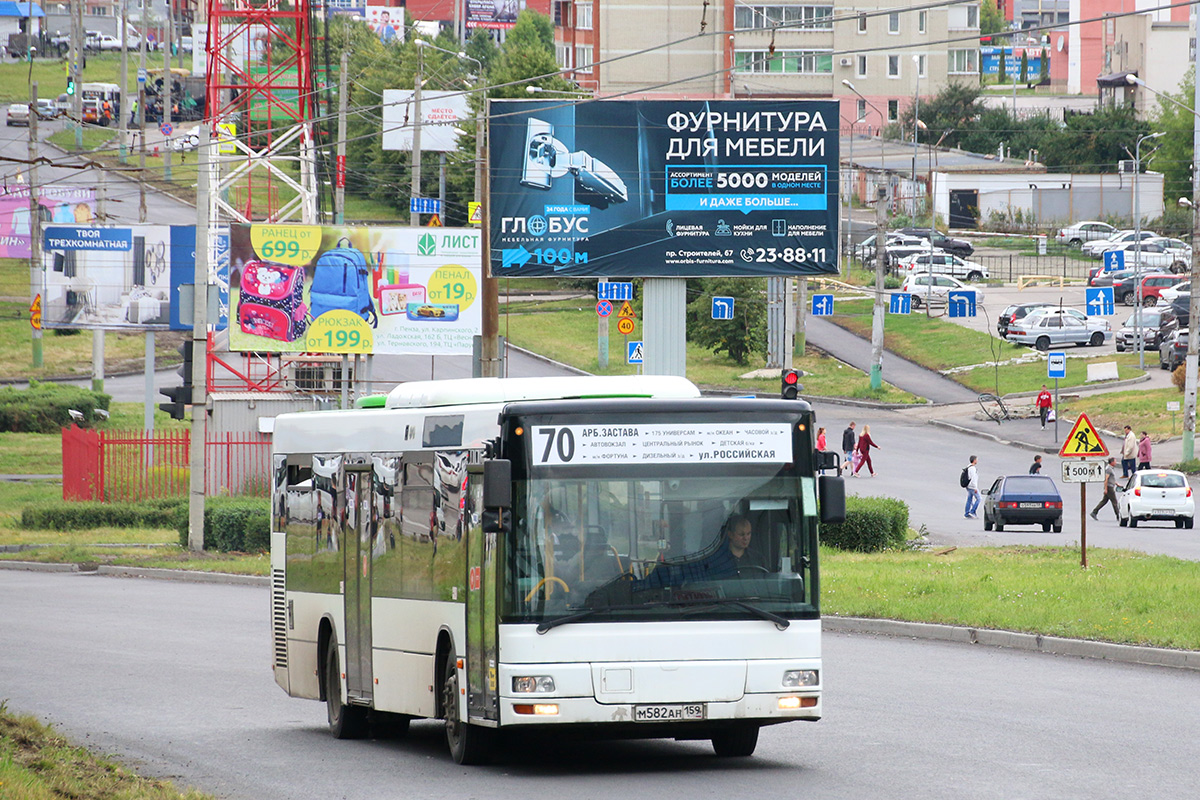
<point x="482" y="653"/>
<point x="357" y="577"/>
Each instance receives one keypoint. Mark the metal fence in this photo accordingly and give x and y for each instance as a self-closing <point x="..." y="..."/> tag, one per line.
<point x="136" y="465"/>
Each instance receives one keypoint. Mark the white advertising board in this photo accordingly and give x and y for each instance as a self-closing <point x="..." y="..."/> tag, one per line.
<point x="441" y="112"/>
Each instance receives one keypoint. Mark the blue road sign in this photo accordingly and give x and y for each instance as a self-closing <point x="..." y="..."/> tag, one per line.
<point x="633" y="353"/>
<point x="604" y="308"/>
<point x="962" y="304"/>
<point x="722" y="308"/>
<point x="424" y="205"/>
<point x="1056" y="365"/>
<point x="614" y="290"/>
<point x="1114" y="259"/>
<point x="822" y="305"/>
<point x="166" y="129"/>
<point x="900" y="304"/>
<point x="1099" y="300"/>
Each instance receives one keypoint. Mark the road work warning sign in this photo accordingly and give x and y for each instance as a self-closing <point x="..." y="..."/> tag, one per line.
<point x="1083" y="440"/>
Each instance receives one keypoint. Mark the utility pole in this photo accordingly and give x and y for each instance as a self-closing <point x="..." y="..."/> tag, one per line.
<point x="141" y="113"/>
<point x="121" y="126"/>
<point x="490" y="328"/>
<point x="35" y="224"/>
<point x="98" y="333"/>
<point x="878" y="310"/>
<point x="339" y="180"/>
<point x="1189" y="408"/>
<point x="199" y="346"/>
<point x="414" y="217"/>
<point x="76" y="67"/>
<point x="168" y="95"/>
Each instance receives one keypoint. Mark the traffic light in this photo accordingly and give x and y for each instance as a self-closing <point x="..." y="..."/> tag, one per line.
<point x="70" y="85"/>
<point x="789" y="384"/>
<point x="181" y="396"/>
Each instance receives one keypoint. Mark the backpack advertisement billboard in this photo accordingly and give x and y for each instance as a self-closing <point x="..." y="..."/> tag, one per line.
<point x="663" y="188"/>
<point x="341" y="289"/>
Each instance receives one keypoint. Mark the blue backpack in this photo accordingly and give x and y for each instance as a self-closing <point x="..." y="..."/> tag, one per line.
<point x="341" y="279"/>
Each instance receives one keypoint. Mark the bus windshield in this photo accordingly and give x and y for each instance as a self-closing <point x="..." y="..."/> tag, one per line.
<point x="703" y="543"/>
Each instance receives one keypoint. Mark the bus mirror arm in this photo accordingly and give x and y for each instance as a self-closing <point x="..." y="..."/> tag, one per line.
<point x="497" y="483"/>
<point x="831" y="498"/>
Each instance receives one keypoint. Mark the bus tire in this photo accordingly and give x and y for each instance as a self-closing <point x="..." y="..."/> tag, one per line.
<point x="469" y="744"/>
<point x="345" y="721"/>
<point x="736" y="741"/>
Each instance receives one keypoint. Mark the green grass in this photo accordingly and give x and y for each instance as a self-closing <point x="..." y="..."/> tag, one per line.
<point x="1030" y="377"/>
<point x="51" y="76"/>
<point x="567" y="331"/>
<point x="38" y="764"/>
<point x="1125" y="597"/>
<point x="94" y="136"/>
<point x="1144" y="410"/>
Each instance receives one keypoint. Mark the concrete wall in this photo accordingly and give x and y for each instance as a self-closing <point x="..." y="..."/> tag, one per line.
<point x="1052" y="199"/>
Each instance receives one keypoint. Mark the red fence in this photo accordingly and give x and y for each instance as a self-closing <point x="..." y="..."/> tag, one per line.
<point x="135" y="465"/>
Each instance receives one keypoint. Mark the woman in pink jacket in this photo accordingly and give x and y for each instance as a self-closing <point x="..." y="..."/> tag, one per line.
<point x="1143" y="451"/>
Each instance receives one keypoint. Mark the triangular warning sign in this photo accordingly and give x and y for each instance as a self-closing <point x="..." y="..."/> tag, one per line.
<point x="626" y="310"/>
<point x="435" y="222"/>
<point x="1083" y="440"/>
<point x="475" y="213"/>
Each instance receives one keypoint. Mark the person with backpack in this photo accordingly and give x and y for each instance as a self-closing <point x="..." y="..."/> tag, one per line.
<point x="969" y="480"/>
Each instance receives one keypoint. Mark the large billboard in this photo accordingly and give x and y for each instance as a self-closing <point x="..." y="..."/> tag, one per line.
<point x="493" y="13"/>
<point x="116" y="278"/>
<point x="62" y="205"/>
<point x="440" y="114"/>
<point x="663" y="188"/>
<point x="338" y="289"/>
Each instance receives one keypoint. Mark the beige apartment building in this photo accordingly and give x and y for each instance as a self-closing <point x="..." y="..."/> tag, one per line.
<point x="884" y="49"/>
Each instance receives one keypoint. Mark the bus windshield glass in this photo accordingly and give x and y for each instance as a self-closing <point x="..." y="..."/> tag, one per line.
<point x="698" y="542"/>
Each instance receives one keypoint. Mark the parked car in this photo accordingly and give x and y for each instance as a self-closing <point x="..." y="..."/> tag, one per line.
<point x="18" y="114"/>
<point x="1023" y="500"/>
<point x="1181" y="249"/>
<point x="1125" y="286"/>
<point x="1150" y="254"/>
<point x="1087" y="231"/>
<point x="1156" y="494"/>
<point x="935" y="289"/>
<point x="46" y="108"/>
<point x="1182" y="308"/>
<point x="1096" y="247"/>
<point x="1044" y="328"/>
<point x="1016" y="312"/>
<point x="1101" y="277"/>
<point x="1157" y="325"/>
<point x="959" y="247"/>
<point x="1180" y="289"/>
<point x="899" y="247"/>
<point x="944" y="264"/>
<point x="1173" y="350"/>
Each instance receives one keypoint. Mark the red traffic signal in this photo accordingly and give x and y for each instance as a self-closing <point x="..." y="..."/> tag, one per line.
<point x="790" y="386"/>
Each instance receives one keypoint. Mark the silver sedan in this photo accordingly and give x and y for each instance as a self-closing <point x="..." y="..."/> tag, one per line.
<point x="1045" y="328"/>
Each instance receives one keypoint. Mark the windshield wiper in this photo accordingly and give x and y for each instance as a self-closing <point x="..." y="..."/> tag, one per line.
<point x="782" y="623"/>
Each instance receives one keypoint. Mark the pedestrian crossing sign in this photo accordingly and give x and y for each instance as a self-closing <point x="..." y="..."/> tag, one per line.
<point x="1083" y="440"/>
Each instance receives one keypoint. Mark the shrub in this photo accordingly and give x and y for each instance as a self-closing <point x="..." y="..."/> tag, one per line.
<point x="46" y="407"/>
<point x="231" y="524"/>
<point x="64" y="515"/>
<point x="872" y="524"/>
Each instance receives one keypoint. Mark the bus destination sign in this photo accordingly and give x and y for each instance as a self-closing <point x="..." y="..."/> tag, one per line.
<point x="588" y="445"/>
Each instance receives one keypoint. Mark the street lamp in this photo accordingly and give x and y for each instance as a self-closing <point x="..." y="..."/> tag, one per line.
<point x="849" y="243"/>
<point x="916" y="111"/>
<point x="1137" y="247"/>
<point x="540" y="90"/>
<point x="880" y="256"/>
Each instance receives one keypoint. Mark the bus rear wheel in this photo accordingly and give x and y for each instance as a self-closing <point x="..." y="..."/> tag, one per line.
<point x="469" y="744"/>
<point x="345" y="721"/>
<point x="737" y="741"/>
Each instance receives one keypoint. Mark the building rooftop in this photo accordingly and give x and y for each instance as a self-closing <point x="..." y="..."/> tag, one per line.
<point x="873" y="153"/>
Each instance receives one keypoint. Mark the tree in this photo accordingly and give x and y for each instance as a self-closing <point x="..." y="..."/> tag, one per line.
<point x="1093" y="142"/>
<point x="1045" y="73"/>
<point x="948" y="114"/>
<point x="991" y="21"/>
<point x="1024" y="66"/>
<point x="739" y="337"/>
<point x="1002" y="75"/>
<point x="1173" y="155"/>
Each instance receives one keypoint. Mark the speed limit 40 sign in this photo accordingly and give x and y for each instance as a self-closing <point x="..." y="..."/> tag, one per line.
<point x="1082" y="471"/>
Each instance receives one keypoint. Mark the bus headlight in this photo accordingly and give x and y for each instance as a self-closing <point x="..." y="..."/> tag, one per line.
<point x="533" y="683"/>
<point x="800" y="677"/>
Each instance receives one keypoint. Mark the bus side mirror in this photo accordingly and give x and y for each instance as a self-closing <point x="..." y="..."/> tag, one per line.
<point x="497" y="483"/>
<point x="831" y="498"/>
<point x="827" y="459"/>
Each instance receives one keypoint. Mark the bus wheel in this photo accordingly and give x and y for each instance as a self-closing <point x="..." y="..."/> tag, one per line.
<point x="736" y="741"/>
<point x="345" y="722"/>
<point x="469" y="744"/>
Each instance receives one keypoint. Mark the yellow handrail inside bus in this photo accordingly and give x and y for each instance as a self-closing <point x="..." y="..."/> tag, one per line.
<point x="543" y="582"/>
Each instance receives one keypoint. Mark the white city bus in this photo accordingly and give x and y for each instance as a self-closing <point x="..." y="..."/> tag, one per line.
<point x="507" y="554"/>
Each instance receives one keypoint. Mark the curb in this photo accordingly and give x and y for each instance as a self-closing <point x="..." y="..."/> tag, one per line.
<point x="142" y="572"/>
<point x="941" y="423"/>
<point x="1050" y="645"/>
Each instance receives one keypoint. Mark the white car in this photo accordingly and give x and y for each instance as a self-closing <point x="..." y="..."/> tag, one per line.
<point x="1097" y="247"/>
<point x="1045" y="327"/>
<point x="1177" y="247"/>
<point x="1171" y="293"/>
<point x="1151" y="254"/>
<point x="944" y="264"/>
<point x="1081" y="232"/>
<point x="1156" y="494"/>
<point x="18" y="114"/>
<point x="935" y="289"/>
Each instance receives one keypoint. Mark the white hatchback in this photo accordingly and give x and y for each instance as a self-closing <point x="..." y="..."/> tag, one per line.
<point x="1156" y="494"/>
<point x="935" y="289"/>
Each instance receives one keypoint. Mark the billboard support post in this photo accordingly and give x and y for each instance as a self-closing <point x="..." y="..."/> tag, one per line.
<point x="414" y="164"/>
<point x="200" y="346"/>
<point x="664" y="311"/>
<point x="35" y="220"/>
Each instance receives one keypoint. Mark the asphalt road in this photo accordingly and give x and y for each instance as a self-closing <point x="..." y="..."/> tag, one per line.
<point x="174" y="679"/>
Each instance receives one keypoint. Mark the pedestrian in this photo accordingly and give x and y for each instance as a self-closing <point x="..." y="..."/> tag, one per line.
<point x="1128" y="453"/>
<point x="865" y="443"/>
<point x="972" y="488"/>
<point x="820" y="445"/>
<point x="1143" y="454"/>
<point x="849" y="439"/>
<point x="1043" y="402"/>
<point x="1110" y="488"/>
<point x="133" y="109"/>
<point x="1036" y="467"/>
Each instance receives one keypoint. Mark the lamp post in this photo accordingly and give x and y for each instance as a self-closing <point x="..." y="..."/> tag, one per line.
<point x="1137" y="246"/>
<point x="916" y="112"/>
<point x="1193" y="351"/>
<point x="880" y="257"/>
<point x="849" y="241"/>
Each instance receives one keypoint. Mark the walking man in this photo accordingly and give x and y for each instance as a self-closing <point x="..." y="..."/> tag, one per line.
<point x="972" y="490"/>
<point x="1129" y="450"/>
<point x="1043" y="402"/>
<point x="849" y="440"/>
<point x="1110" y="488"/>
<point x="1036" y="467"/>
